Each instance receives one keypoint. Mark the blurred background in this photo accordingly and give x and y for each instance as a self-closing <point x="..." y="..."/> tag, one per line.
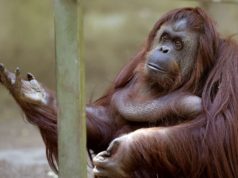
<point x="114" y="32"/>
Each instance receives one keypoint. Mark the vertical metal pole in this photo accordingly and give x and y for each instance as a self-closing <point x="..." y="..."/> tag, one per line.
<point x="70" y="88"/>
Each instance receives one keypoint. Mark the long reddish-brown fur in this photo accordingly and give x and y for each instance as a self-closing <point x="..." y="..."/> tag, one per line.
<point x="203" y="147"/>
<point x="206" y="146"/>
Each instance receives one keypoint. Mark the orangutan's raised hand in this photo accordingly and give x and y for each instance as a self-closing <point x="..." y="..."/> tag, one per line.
<point x="24" y="91"/>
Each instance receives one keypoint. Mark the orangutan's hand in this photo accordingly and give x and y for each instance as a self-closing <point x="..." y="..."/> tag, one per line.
<point x="24" y="91"/>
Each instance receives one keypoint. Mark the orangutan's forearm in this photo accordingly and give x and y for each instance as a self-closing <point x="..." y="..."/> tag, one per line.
<point x="184" y="105"/>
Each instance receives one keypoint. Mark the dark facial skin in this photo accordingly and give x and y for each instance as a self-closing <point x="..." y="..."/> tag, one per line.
<point x="173" y="51"/>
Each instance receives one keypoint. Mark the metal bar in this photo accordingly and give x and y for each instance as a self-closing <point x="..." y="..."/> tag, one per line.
<point x="70" y="88"/>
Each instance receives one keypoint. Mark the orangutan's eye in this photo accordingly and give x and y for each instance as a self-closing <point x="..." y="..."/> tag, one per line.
<point x="178" y="44"/>
<point x="164" y="37"/>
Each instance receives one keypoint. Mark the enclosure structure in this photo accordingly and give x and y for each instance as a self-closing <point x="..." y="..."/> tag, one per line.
<point x="70" y="88"/>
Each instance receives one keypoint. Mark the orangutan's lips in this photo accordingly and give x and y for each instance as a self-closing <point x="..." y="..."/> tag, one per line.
<point x="155" y="67"/>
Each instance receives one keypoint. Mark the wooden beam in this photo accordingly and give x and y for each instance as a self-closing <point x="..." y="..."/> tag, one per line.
<point x="70" y="88"/>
